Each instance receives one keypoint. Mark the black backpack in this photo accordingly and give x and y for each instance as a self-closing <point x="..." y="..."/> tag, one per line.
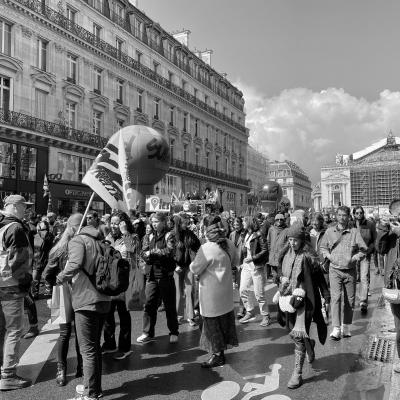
<point x="111" y="275"/>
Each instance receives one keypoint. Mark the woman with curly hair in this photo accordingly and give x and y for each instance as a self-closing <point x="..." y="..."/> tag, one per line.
<point x="298" y="299"/>
<point x="127" y="243"/>
<point x="213" y="264"/>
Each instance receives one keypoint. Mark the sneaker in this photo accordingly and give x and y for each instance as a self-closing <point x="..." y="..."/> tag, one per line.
<point x="144" y="338"/>
<point x="14" y="382"/>
<point x="180" y="319"/>
<point x="108" y="350"/>
<point x="266" y="320"/>
<point x="173" y="338"/>
<point x="121" y="355"/>
<point x="192" y="322"/>
<point x="335" y="335"/>
<point x="346" y="331"/>
<point x="247" y="318"/>
<point x="364" y="308"/>
<point x="32" y="332"/>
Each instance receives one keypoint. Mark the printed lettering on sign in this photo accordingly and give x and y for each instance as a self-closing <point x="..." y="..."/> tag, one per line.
<point x="227" y="390"/>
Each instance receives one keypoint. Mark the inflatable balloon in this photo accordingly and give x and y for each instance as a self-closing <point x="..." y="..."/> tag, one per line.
<point x="147" y="154"/>
<point x="271" y="191"/>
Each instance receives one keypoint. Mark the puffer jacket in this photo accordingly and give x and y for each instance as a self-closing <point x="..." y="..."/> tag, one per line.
<point x="82" y="254"/>
<point x="20" y="255"/>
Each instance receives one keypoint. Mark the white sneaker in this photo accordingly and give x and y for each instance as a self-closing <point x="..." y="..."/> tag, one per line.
<point x="346" y="331"/>
<point x="173" y="339"/>
<point x="144" y="338"/>
<point x="335" y="335"/>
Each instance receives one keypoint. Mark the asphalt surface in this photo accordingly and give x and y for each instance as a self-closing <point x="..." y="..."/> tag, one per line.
<point x="258" y="369"/>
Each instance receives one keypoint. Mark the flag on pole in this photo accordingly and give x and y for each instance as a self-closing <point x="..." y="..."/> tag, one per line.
<point x="109" y="178"/>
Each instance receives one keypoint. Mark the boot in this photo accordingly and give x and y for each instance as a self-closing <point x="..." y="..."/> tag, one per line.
<point x="61" y="379"/>
<point x="216" y="360"/>
<point x="310" y="344"/>
<point x="79" y="367"/>
<point x="296" y="379"/>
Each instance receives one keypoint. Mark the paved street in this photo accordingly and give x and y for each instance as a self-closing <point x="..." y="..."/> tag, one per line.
<point x="160" y="370"/>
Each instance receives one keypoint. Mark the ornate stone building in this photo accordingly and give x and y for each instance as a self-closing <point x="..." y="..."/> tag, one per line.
<point x="296" y="185"/>
<point x="369" y="177"/>
<point x="72" y="73"/>
<point x="257" y="165"/>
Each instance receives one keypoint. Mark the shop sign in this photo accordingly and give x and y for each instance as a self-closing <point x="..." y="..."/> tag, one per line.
<point x="77" y="193"/>
<point x="158" y="203"/>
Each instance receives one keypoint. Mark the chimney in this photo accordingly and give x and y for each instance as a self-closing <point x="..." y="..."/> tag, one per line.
<point x="182" y="37"/>
<point x="206" y="56"/>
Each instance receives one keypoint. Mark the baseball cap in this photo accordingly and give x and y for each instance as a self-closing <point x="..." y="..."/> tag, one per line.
<point x="16" y="199"/>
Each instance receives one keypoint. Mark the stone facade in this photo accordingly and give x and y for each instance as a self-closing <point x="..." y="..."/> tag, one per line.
<point x="296" y="185"/>
<point x="257" y="165"/>
<point x="72" y="73"/>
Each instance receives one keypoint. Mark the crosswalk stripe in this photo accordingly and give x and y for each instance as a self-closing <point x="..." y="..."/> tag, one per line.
<point x="36" y="355"/>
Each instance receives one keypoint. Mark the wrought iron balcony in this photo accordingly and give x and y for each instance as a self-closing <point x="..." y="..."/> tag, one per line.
<point x="206" y="171"/>
<point x="123" y="22"/>
<point x="52" y="129"/>
<point x="83" y="34"/>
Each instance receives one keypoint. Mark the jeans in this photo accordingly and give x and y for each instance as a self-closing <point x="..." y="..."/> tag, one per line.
<point x="156" y="288"/>
<point x="364" y="279"/>
<point x="179" y="278"/>
<point x="396" y="315"/>
<point x="89" y="325"/>
<point x="11" y="323"/>
<point x="124" y="340"/>
<point x="252" y="282"/>
<point x="63" y="345"/>
<point x="342" y="281"/>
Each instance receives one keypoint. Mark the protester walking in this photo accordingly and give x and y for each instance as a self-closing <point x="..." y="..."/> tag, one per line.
<point x="213" y="263"/>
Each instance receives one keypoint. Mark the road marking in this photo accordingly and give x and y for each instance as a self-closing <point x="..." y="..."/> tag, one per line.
<point x="37" y="354"/>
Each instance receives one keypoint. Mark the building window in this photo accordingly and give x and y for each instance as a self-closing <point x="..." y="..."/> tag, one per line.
<point x="40" y="104"/>
<point x="139" y="56"/>
<point x="71" y="14"/>
<point x="196" y="127"/>
<point x="170" y="77"/>
<point x="184" y="84"/>
<point x="139" y="29"/>
<point x="97" y="31"/>
<point x="41" y="54"/>
<point x="97" y="122"/>
<point x="226" y="165"/>
<point x="72" y="168"/>
<point x="119" y="44"/>
<point x="120" y="11"/>
<point x="240" y="170"/>
<point x="156" y="66"/>
<point x="5" y="38"/>
<point x="185" y="152"/>
<point x="27" y="171"/>
<point x="206" y="99"/>
<point x="99" y="5"/>
<point x="70" y="111"/>
<point x="156" y="108"/>
<point x="171" y="115"/>
<point x="8" y="160"/>
<point x="120" y="123"/>
<point x="185" y="122"/>
<point x="97" y="80"/>
<point x="140" y="100"/>
<point x="5" y="93"/>
<point x="72" y="63"/>
<point x="172" y="148"/>
<point x="233" y="168"/>
<point x="207" y="159"/>
<point x="216" y="163"/>
<point x="197" y="155"/>
<point x="120" y="91"/>
<point x="195" y="92"/>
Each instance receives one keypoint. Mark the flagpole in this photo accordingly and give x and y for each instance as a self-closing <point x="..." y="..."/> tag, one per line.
<point x="86" y="211"/>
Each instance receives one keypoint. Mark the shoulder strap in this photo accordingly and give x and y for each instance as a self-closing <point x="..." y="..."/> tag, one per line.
<point x="337" y="241"/>
<point x="3" y="231"/>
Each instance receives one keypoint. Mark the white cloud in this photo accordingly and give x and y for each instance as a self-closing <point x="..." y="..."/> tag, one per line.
<point x="310" y="127"/>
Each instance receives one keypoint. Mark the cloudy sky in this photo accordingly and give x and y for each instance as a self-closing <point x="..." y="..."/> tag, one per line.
<point x="319" y="76"/>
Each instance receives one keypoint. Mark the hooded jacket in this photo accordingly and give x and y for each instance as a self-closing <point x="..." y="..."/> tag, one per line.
<point x="82" y="254"/>
<point x="20" y="255"/>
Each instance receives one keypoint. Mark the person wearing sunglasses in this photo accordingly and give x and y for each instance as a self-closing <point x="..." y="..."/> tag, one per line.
<point x="367" y="230"/>
<point x="276" y="239"/>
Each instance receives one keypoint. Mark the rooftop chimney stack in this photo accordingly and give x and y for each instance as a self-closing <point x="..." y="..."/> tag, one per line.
<point x="182" y="37"/>
<point x="206" y="56"/>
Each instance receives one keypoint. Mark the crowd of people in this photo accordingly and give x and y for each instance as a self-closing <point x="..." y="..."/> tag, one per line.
<point x="188" y="266"/>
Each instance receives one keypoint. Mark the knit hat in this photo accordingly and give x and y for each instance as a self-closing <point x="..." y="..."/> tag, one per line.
<point x="75" y="219"/>
<point x="279" y="216"/>
<point x="296" y="231"/>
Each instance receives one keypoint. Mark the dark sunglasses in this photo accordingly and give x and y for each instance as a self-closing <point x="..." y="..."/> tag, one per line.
<point x="280" y="219"/>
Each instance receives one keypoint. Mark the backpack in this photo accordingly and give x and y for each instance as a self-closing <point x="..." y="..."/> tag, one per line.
<point x="111" y="275"/>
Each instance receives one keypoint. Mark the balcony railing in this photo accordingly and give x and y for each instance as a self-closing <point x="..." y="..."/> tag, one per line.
<point x="206" y="171"/>
<point x="123" y="22"/>
<point x="60" y="20"/>
<point x="52" y="129"/>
